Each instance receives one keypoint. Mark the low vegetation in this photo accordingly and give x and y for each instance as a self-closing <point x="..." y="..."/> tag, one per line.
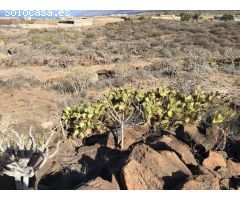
<point x="19" y="81"/>
<point x="75" y="83"/>
<point x="121" y="42"/>
<point x="161" y="108"/>
<point x="227" y="17"/>
<point x="185" y="16"/>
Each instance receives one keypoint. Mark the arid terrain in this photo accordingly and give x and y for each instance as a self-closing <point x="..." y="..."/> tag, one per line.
<point x="44" y="70"/>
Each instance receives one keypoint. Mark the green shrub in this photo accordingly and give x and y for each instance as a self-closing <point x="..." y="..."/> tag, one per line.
<point x="227" y="17"/>
<point x="141" y="18"/>
<point x="185" y="17"/>
<point x="162" y="108"/>
<point x="84" y="119"/>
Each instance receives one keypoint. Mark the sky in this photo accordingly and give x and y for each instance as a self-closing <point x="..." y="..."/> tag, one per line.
<point x="60" y="14"/>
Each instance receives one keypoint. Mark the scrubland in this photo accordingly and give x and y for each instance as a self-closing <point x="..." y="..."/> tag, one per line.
<point x="52" y="75"/>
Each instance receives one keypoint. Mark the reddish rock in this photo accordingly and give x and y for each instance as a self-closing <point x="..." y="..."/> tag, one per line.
<point x="165" y="164"/>
<point x="131" y="136"/>
<point x="193" y="185"/>
<point x="137" y="177"/>
<point x="233" y="167"/>
<point x="214" y="136"/>
<point x="189" y="133"/>
<point x="202" y="182"/>
<point x="99" y="184"/>
<point x="182" y="150"/>
<point x="224" y="173"/>
<point x="214" y="160"/>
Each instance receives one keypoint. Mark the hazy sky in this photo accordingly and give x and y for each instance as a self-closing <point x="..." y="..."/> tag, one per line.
<point x="55" y="13"/>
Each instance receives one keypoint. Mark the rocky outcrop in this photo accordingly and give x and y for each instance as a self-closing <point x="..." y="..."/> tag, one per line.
<point x="214" y="160"/>
<point x="165" y="165"/>
<point x="137" y="177"/>
<point x="181" y="149"/>
<point x="188" y="159"/>
<point x="191" y="134"/>
<point x="132" y="135"/>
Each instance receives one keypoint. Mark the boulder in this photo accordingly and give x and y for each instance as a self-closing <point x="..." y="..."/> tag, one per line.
<point x="233" y="167"/>
<point x="100" y="160"/>
<point x="83" y="165"/>
<point x="181" y="149"/>
<point x="131" y="136"/>
<point x="202" y="182"/>
<point x="224" y="173"/>
<point x="165" y="165"/>
<point x="105" y="74"/>
<point x="135" y="176"/>
<point x="214" y="160"/>
<point x="189" y="133"/>
<point x="99" y="184"/>
<point x="214" y="137"/>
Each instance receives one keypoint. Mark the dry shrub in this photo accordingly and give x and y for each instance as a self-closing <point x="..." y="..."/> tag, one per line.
<point x="19" y="81"/>
<point x="121" y="42"/>
<point x="74" y="83"/>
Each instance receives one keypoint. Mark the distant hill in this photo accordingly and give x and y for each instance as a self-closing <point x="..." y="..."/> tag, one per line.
<point x="103" y="12"/>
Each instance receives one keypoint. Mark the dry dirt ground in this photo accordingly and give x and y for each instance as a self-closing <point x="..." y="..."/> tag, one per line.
<point x="32" y="104"/>
<point x="147" y="53"/>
